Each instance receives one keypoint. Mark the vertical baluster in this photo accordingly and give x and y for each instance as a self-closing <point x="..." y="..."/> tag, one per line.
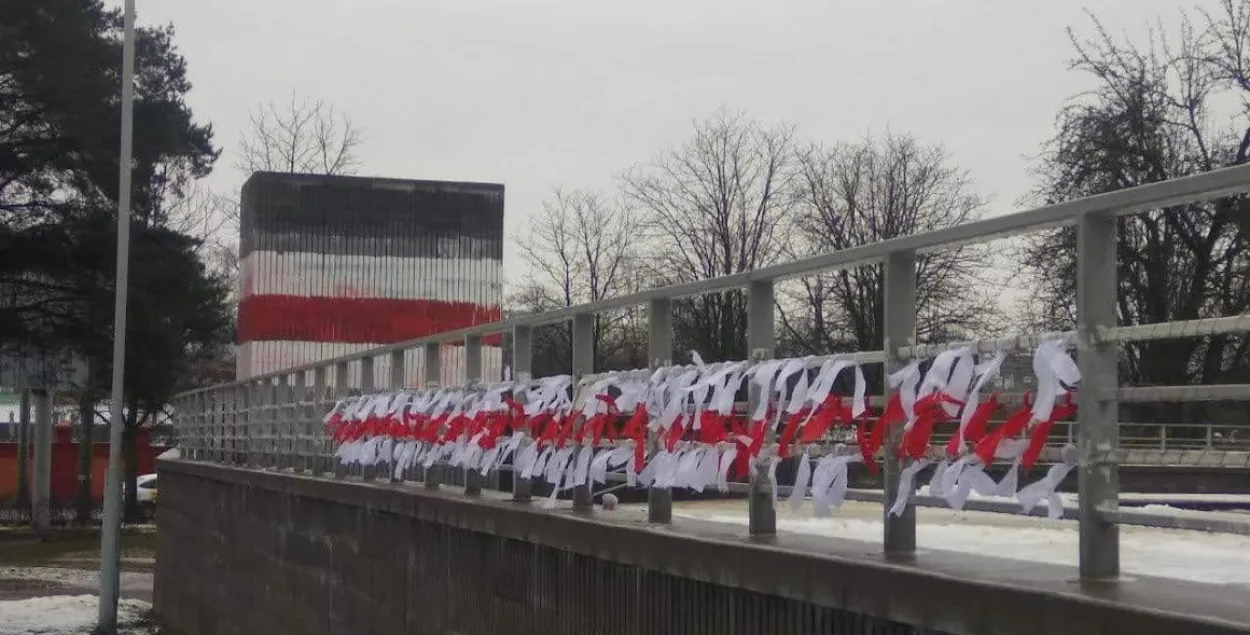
<point x="1097" y="416"/>
<point x="900" y="330"/>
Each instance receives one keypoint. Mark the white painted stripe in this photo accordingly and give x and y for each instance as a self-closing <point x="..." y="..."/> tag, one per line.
<point x="258" y="358"/>
<point x="326" y="275"/>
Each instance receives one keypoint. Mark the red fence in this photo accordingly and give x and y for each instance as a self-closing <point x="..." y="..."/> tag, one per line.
<point x="65" y="462"/>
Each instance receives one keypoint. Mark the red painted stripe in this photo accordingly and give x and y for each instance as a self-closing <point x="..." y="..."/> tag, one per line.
<point x="356" y="320"/>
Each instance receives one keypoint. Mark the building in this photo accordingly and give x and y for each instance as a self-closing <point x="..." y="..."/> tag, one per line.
<point x="332" y="265"/>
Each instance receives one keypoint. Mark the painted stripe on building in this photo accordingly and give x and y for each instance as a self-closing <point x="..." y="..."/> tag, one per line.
<point x="329" y="275"/>
<point x="353" y="320"/>
<point x="429" y="245"/>
<point x="362" y="215"/>
<point x="258" y="358"/>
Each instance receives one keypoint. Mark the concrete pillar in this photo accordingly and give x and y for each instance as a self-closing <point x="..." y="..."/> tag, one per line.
<point x="42" y="500"/>
<point x="1097" y="416"/>
<point x="762" y="344"/>
<point x="900" y="330"/>
<point x="23" y="449"/>
<point x="660" y="352"/>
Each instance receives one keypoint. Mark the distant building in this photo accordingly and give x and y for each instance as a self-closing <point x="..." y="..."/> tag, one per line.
<point x="333" y="265"/>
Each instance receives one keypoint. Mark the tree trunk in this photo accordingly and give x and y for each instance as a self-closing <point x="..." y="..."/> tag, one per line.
<point x="86" y="452"/>
<point x="131" y="512"/>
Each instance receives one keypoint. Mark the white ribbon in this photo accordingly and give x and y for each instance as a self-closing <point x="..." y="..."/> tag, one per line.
<point x="802" y="476"/>
<point x="1045" y="489"/>
<point x="906" y="485"/>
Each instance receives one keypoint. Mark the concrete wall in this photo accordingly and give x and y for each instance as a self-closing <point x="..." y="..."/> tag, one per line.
<point x="252" y="552"/>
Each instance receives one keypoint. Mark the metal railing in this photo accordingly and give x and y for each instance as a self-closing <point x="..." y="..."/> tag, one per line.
<point x="274" y="420"/>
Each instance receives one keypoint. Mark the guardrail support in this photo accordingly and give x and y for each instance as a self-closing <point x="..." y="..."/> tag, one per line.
<point x="397" y="382"/>
<point x="287" y="414"/>
<point x="473" y="373"/>
<point x="433" y="377"/>
<point x="583" y="364"/>
<point x="1097" y="416"/>
<point x="192" y="410"/>
<point x="342" y="388"/>
<point x="522" y="368"/>
<point x="762" y="344"/>
<point x="316" y="461"/>
<point x="900" y="330"/>
<point x="660" y="352"/>
<point x="367" y="386"/>
<point x="522" y="352"/>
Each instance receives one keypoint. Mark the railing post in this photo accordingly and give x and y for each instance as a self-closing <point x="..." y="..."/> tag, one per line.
<point x="762" y="342"/>
<point x="1097" y="414"/>
<point x="398" y="382"/>
<point x="399" y="375"/>
<point x="367" y="387"/>
<point x="215" y="444"/>
<point x="191" y="417"/>
<point x="318" y="461"/>
<point x="288" y="414"/>
<point x="900" y="330"/>
<point x="255" y="423"/>
<point x="299" y="425"/>
<point x="522" y="369"/>
<point x="583" y="364"/>
<point x="433" y="377"/>
<point x="660" y="353"/>
<point x="472" y="374"/>
<point x="239" y="424"/>
<point x="273" y="442"/>
<point x="342" y="389"/>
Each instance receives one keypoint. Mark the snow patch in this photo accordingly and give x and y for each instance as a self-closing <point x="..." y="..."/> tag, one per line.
<point x="1181" y="555"/>
<point x="67" y="615"/>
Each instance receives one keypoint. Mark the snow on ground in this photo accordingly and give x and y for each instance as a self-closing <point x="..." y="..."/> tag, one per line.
<point x="69" y="577"/>
<point x="67" y="615"/>
<point x="1071" y="500"/>
<point x="1212" y="558"/>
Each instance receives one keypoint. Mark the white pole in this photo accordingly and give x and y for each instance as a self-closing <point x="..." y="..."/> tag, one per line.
<point x="110" y="534"/>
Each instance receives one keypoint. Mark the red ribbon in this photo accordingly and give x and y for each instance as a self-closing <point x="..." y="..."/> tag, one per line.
<point x="636" y="429"/>
<point x="790" y="431"/>
<point x="1040" y="431"/>
<point x="870" y="442"/>
<point x="929" y="410"/>
<point x="829" y="413"/>
<point x="1012" y="427"/>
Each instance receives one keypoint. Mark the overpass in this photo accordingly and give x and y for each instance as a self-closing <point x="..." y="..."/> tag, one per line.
<point x="264" y="529"/>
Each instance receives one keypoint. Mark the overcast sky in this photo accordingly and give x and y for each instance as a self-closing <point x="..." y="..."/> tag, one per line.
<point x="544" y="93"/>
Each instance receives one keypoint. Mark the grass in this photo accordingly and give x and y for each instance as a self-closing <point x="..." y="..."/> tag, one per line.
<point x="78" y="550"/>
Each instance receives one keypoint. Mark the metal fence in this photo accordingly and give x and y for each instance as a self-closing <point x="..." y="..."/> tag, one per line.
<point x="274" y="420"/>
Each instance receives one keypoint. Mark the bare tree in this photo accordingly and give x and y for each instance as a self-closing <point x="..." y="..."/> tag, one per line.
<point x="1167" y="108"/>
<point x="304" y="135"/>
<point x="854" y="194"/>
<point x="714" y="206"/>
<point x="579" y="248"/>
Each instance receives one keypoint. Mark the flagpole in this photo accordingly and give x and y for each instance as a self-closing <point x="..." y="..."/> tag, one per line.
<point x="110" y="534"/>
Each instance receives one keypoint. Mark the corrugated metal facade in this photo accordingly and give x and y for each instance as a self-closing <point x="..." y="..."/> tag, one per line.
<point x="332" y="265"/>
